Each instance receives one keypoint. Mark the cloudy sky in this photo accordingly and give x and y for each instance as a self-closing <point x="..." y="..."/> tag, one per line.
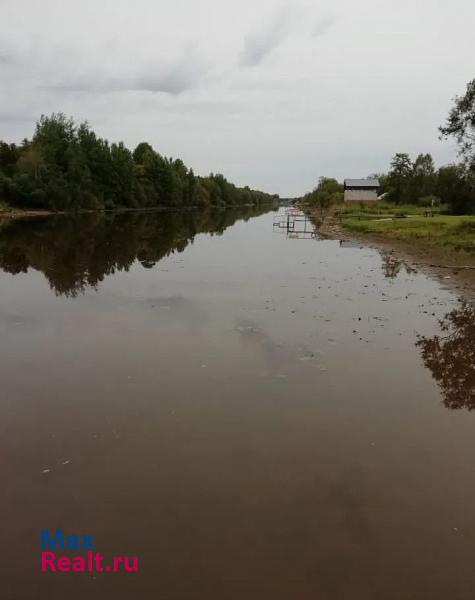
<point x="271" y="94"/>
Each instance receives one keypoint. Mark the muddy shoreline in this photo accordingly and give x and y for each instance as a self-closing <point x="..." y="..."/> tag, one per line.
<point x="445" y="266"/>
<point x="8" y="215"/>
<point x="15" y="213"/>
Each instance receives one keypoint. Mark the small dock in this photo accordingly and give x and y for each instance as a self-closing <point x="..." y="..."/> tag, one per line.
<point x="294" y="224"/>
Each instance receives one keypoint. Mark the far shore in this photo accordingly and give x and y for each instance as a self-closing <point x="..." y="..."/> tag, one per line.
<point x="8" y="213"/>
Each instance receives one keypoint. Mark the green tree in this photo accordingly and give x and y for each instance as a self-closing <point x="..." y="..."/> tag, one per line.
<point x="9" y="155"/>
<point x="461" y="124"/>
<point x="52" y="137"/>
<point x="67" y="167"/>
<point x="422" y="180"/>
<point x="456" y="188"/>
<point x="327" y="193"/>
<point x="31" y="161"/>
<point x="399" y="178"/>
<point x="383" y="181"/>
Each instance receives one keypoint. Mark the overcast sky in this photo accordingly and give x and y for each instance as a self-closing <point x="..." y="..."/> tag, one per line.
<point x="271" y="94"/>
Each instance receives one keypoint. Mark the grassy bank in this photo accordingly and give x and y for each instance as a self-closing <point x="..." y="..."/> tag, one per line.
<point x="445" y="232"/>
<point x="381" y="209"/>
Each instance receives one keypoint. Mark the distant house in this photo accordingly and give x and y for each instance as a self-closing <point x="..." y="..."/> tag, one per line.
<point x="361" y="190"/>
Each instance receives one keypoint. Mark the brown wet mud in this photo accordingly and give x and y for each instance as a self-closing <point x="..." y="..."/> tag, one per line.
<point x="455" y="269"/>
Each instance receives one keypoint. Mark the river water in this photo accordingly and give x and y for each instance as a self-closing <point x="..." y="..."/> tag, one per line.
<point x="254" y="415"/>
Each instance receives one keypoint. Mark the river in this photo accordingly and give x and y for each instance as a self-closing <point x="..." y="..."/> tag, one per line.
<point x="254" y="415"/>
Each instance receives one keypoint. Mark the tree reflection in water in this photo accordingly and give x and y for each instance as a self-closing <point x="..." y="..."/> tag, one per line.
<point x="392" y="265"/>
<point x="75" y="253"/>
<point x="451" y="357"/>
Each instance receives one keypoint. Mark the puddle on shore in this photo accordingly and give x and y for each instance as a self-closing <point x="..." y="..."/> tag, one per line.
<point x="253" y="415"/>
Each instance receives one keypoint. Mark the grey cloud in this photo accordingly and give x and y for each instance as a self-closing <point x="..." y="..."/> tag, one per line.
<point x="226" y="114"/>
<point x="169" y="83"/>
<point x="18" y="108"/>
<point x="323" y="26"/>
<point x="204" y="107"/>
<point x="12" y="117"/>
<point x="178" y="76"/>
<point x="8" y="54"/>
<point x="5" y="58"/>
<point x="185" y="74"/>
<point x="90" y="83"/>
<point x="258" y="46"/>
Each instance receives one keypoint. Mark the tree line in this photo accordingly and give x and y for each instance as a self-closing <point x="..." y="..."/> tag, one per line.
<point x="67" y="167"/>
<point x="418" y="181"/>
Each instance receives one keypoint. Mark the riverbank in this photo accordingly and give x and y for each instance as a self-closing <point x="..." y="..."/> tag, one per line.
<point x="452" y="235"/>
<point x="7" y="213"/>
<point x="441" y="246"/>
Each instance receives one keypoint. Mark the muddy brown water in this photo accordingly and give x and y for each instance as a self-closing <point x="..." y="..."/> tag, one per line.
<point x="253" y="416"/>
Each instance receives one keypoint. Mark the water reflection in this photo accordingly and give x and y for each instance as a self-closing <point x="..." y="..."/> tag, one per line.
<point x="350" y="244"/>
<point x="451" y="357"/>
<point x="75" y="253"/>
<point x="392" y="265"/>
<point x="294" y="224"/>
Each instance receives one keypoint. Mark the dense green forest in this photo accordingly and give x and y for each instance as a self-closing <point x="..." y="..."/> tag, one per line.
<point x="76" y="252"/>
<point x="418" y="181"/>
<point x="67" y="167"/>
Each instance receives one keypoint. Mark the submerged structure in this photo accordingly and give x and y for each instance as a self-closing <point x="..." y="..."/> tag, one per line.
<point x="361" y="190"/>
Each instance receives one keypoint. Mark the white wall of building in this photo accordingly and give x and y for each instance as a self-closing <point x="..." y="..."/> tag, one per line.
<point x="361" y="195"/>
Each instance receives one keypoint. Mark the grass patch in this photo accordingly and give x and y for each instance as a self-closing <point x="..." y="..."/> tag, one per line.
<point x="456" y="233"/>
<point x="379" y="209"/>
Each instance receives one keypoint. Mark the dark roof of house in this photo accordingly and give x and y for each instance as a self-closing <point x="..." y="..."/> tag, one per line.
<point x="367" y="183"/>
